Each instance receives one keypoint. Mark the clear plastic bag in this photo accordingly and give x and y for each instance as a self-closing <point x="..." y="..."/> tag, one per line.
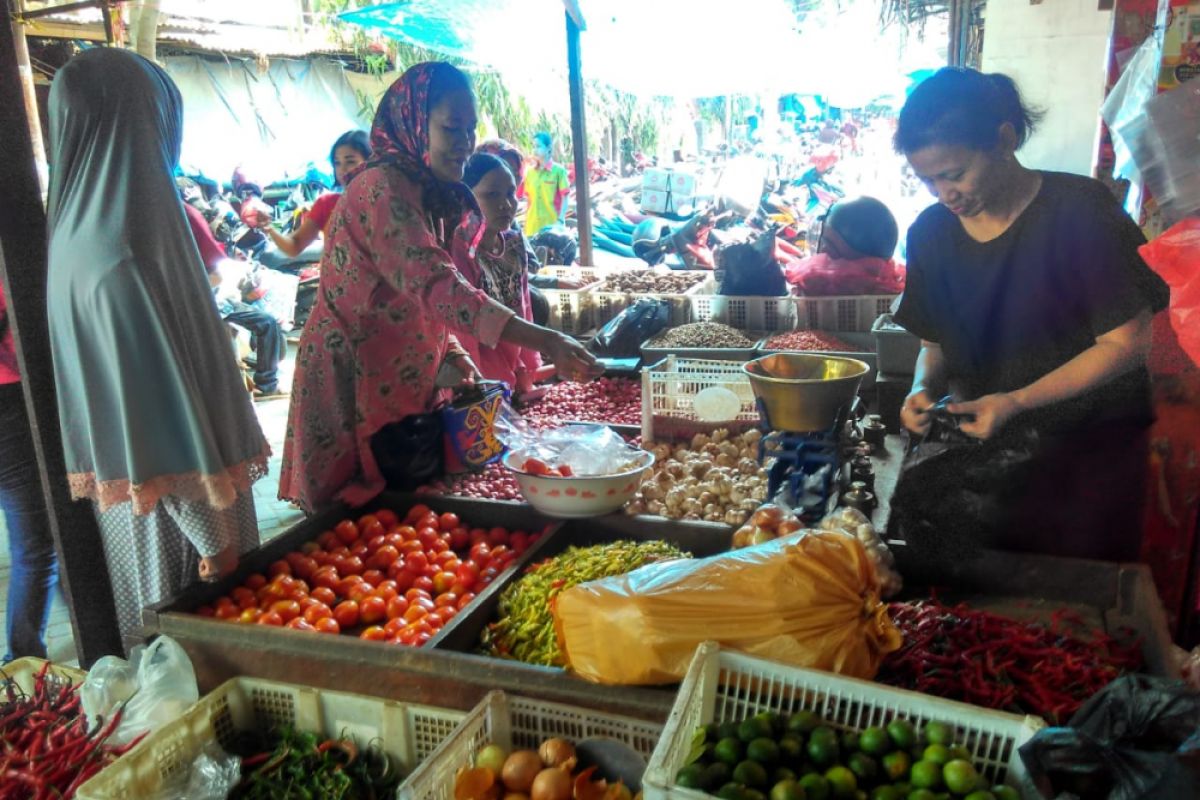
<point x="155" y="686"/>
<point x="586" y="448"/>
<point x="211" y="776"/>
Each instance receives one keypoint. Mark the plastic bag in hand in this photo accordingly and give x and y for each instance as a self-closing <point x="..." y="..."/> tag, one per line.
<point x="622" y="336"/>
<point x="156" y="686"/>
<point x="1138" y="738"/>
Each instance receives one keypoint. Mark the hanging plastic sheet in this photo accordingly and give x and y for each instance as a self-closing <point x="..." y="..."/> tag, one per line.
<point x="1166" y="150"/>
<point x="1124" y="106"/>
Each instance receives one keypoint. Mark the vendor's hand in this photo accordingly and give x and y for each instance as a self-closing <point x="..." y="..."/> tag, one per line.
<point x="990" y="413"/>
<point x="262" y="219"/>
<point x="213" y="568"/>
<point x="914" y="414"/>
<point x="573" y="362"/>
<point x="569" y="284"/>
<point x="466" y="367"/>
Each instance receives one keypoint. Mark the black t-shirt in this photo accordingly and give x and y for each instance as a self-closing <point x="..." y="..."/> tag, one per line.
<point x="1008" y="311"/>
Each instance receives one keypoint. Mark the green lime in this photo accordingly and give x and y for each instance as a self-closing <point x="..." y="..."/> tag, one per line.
<point x="959" y="775"/>
<point x="850" y="741"/>
<point x="764" y="751"/>
<point x="939" y="733"/>
<point x="816" y="787"/>
<point x="784" y="774"/>
<point x="753" y="794"/>
<point x="903" y="786"/>
<point x="728" y="750"/>
<point x="712" y="731"/>
<point x="875" y="741"/>
<point x="691" y="777"/>
<point x="937" y="753"/>
<point x="775" y="720"/>
<point x="787" y="790"/>
<point x="842" y="781"/>
<point x="865" y="768"/>
<point x="902" y="734"/>
<point x="727" y="730"/>
<point x="886" y="793"/>
<point x="804" y="722"/>
<point x="731" y="791"/>
<point x="750" y="773"/>
<point x="896" y="765"/>
<point x="959" y="752"/>
<point x="926" y="775"/>
<point x="823" y="747"/>
<point x="754" y="728"/>
<point x="1005" y="793"/>
<point x="982" y="794"/>
<point x="717" y="774"/>
<point x="791" y="747"/>
<point x="921" y="794"/>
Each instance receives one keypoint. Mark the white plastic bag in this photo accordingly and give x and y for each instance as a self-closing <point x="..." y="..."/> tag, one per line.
<point x="212" y="776"/>
<point x="156" y="685"/>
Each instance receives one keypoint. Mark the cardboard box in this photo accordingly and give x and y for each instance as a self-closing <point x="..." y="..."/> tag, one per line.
<point x="683" y="184"/>
<point x="654" y="202"/>
<point x="656" y="179"/>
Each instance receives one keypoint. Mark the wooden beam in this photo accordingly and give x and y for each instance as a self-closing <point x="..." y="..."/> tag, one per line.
<point x="49" y="10"/>
<point x="82" y="572"/>
<point x="583" y="201"/>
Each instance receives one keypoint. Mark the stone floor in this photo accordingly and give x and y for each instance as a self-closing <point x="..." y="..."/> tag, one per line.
<point x="274" y="517"/>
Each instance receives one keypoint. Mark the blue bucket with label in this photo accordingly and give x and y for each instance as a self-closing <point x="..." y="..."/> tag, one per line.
<point x="469" y="425"/>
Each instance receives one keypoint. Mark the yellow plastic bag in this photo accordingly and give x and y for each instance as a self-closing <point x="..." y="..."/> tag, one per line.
<point x="810" y="600"/>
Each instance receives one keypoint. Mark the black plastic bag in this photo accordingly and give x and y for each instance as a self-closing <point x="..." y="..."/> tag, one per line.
<point x="410" y="452"/>
<point x="955" y="494"/>
<point x="749" y="269"/>
<point x="623" y="335"/>
<point x="1138" y="738"/>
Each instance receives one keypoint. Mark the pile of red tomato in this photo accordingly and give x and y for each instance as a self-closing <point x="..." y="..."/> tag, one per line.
<point x="381" y="577"/>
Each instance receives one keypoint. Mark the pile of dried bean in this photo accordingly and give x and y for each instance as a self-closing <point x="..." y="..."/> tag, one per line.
<point x="525" y="628"/>
<point x="649" y="282"/>
<point x="701" y="334"/>
<point x="809" y="340"/>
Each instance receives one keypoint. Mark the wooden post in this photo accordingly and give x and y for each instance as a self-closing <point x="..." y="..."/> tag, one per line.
<point x="25" y="69"/>
<point x="583" y="200"/>
<point x="82" y="572"/>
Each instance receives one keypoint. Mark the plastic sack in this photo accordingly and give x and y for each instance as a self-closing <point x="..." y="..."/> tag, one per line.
<point x="823" y="276"/>
<point x="749" y="269"/>
<point x="156" y="685"/>
<point x="411" y="451"/>
<point x="809" y="600"/>
<point x="1138" y="738"/>
<point x="622" y="336"/>
<point x="588" y="449"/>
<point x="211" y="776"/>
<point x="1175" y="256"/>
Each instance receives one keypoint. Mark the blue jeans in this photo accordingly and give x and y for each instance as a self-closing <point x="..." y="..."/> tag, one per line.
<point x="30" y="546"/>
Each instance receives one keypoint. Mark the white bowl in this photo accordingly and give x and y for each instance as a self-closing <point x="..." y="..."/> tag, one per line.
<point x="580" y="495"/>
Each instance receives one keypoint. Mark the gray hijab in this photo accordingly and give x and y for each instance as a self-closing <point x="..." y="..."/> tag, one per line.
<point x="150" y="399"/>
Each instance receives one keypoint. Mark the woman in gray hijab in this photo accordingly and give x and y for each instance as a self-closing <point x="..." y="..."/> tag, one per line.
<point x="158" y="430"/>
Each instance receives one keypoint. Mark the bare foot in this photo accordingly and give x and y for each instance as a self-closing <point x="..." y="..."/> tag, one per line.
<point x="214" y="568"/>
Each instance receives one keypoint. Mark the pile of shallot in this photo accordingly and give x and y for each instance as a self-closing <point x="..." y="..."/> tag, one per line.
<point x="494" y="483"/>
<point x="612" y="400"/>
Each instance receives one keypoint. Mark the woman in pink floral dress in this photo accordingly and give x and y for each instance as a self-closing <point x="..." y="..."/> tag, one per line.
<point x="390" y="298"/>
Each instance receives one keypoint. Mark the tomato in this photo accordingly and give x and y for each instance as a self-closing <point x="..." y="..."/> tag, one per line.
<point x="448" y="521"/>
<point x="373" y="634"/>
<point x="448" y="613"/>
<point x="287" y="609"/>
<point x="323" y="594"/>
<point x="300" y="624"/>
<point x="447" y="599"/>
<point x="416" y="512"/>
<point x="480" y="551"/>
<point x="365" y="520"/>
<point x="206" y="611"/>
<point x="429" y="520"/>
<point x="255" y="582"/>
<point x="322" y="559"/>
<point x="425" y="583"/>
<point x="329" y="541"/>
<point x="406" y="532"/>
<point x="361" y="591"/>
<point x="305" y="567"/>
<point x="402" y="578"/>
<point x="346" y="531"/>
<point x="416" y="561"/>
<point x="360" y="550"/>
<point x="346" y="613"/>
<point x="316" y="611"/>
<point x="308" y="548"/>
<point x="327" y="577"/>
<point x="420" y="639"/>
<point x="394" y="539"/>
<point x="327" y="625"/>
<point x="440" y="546"/>
<point x="459" y="539"/>
<point x="396" y="607"/>
<point x="435" y="619"/>
<point x="393" y="627"/>
<point x="373" y="577"/>
<point x="465" y="600"/>
<point x="372" y="529"/>
<point x="384" y="556"/>
<point x="387" y="517"/>
<point x="346" y="585"/>
<point x="414" y="612"/>
<point x="278" y="568"/>
<point x="250" y="615"/>
<point x="387" y="588"/>
<point x="243" y="597"/>
<point x="351" y="565"/>
<point x="467" y="573"/>
<point x="443" y="581"/>
<point x="372" y="610"/>
<point x="270" y="618"/>
<point x="498" y="536"/>
<point x="427" y="536"/>
<point x="414" y="593"/>
<point x="411" y="546"/>
<point x="498" y="554"/>
<point x="519" y="542"/>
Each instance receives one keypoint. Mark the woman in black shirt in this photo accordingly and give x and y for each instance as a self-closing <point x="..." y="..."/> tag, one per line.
<point x="1034" y="309"/>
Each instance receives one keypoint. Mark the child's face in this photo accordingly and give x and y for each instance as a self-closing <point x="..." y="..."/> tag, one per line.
<point x="496" y="194"/>
<point x="345" y="159"/>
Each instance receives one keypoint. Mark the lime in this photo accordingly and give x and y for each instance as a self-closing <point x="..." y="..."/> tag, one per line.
<point x="754" y="728"/>
<point x="787" y="790"/>
<point x="791" y="747"/>
<point x="728" y="750"/>
<point x="921" y="794"/>
<point x="727" y="730"/>
<point x="731" y="791"/>
<point x="804" y="722"/>
<point x="764" y="751"/>
<point x="823" y="747"/>
<point x="842" y="781"/>
<point x="865" y="768"/>
<point x="850" y="741"/>
<point x="902" y="734"/>
<point x="753" y="794"/>
<point x="958" y="751"/>
<point x="712" y="731"/>
<point x="776" y="721"/>
<point x="937" y="753"/>
<point x="982" y="794"/>
<point x="1006" y="793"/>
<point x="886" y="793"/>
<point x="691" y="777"/>
<point x="717" y="774"/>
<point x="939" y="733"/>
<point x="926" y="775"/>
<point x="784" y="774"/>
<point x="896" y="765"/>
<point x="959" y="775"/>
<point x="816" y="787"/>
<point x="750" y="773"/>
<point x="875" y="741"/>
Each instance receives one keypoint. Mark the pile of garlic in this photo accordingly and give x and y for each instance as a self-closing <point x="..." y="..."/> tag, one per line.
<point x="853" y="522"/>
<point x="716" y="478"/>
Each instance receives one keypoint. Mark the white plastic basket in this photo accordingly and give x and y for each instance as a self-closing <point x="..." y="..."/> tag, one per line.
<point x="608" y="304"/>
<point x="22" y="672"/>
<point x="849" y="313"/>
<point x="571" y="309"/>
<point x="746" y="313"/>
<point x="722" y="686"/>
<point x="669" y="390"/>
<point x="407" y="733"/>
<point x="511" y="721"/>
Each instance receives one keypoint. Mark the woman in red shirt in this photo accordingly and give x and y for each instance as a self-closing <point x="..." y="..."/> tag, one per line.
<point x="351" y="149"/>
